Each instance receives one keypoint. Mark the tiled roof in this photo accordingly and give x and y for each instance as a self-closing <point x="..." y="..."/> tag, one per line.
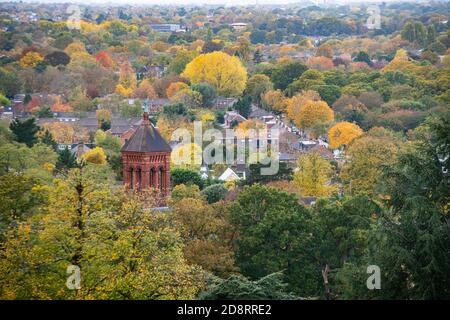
<point x="146" y="138"/>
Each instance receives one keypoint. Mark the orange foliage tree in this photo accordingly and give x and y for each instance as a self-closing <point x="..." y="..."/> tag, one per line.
<point x="145" y="90"/>
<point x="59" y="106"/>
<point x="175" y="87"/>
<point x="320" y="63"/>
<point x="105" y="59"/>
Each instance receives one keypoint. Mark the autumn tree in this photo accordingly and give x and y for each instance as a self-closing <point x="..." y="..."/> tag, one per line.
<point x="311" y="114"/>
<point x="225" y="73"/>
<point x="365" y="158"/>
<point x="105" y="59"/>
<point x="62" y="132"/>
<point x="320" y="63"/>
<point x="96" y="156"/>
<point x="276" y="100"/>
<point x="127" y="80"/>
<point x="123" y="252"/>
<point x="31" y="59"/>
<point x="342" y="133"/>
<point x="205" y="230"/>
<point x="174" y="88"/>
<point x="145" y="90"/>
<point x="313" y="176"/>
<point x="257" y="86"/>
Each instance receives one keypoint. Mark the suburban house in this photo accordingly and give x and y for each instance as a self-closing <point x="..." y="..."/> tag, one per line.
<point x="232" y="118"/>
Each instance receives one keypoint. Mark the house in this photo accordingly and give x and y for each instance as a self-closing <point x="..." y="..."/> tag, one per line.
<point x="157" y="104"/>
<point x="6" y="113"/>
<point x="305" y="145"/>
<point x="232" y="118"/>
<point x="204" y="172"/>
<point x="79" y="149"/>
<point x="167" y="27"/>
<point x="150" y="72"/>
<point x="229" y="175"/>
<point x="238" y="26"/>
<point x="224" y="102"/>
<point x="308" y="201"/>
<point x="155" y="71"/>
<point x="287" y="157"/>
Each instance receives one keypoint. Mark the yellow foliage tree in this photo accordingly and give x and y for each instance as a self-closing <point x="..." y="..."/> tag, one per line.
<point x="307" y="113"/>
<point x="127" y="80"/>
<point x="224" y="72"/>
<point x="62" y="132"/>
<point x="208" y="117"/>
<point x="312" y="176"/>
<point x="342" y="133"/>
<point x="402" y="62"/>
<point x="174" y="88"/>
<point x="96" y="156"/>
<point x="366" y="157"/>
<point x="276" y="100"/>
<point x="294" y="104"/>
<point x="30" y="60"/>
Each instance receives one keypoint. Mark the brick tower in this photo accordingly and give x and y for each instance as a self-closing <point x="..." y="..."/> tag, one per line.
<point x="146" y="159"/>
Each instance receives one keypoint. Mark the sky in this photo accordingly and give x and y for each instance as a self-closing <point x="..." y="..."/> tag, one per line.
<point x="222" y="2"/>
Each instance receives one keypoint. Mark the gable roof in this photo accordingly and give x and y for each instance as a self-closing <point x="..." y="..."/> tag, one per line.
<point x="146" y="138"/>
<point x="229" y="174"/>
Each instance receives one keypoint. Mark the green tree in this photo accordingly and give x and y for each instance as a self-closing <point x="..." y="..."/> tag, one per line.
<point x="25" y="131"/>
<point x="341" y="231"/>
<point x="208" y="93"/>
<point x="243" y="106"/>
<point x="237" y="287"/>
<point x="284" y="173"/>
<point x="66" y="159"/>
<point x="410" y="242"/>
<point x="215" y="192"/>
<point x="47" y="139"/>
<point x="21" y="196"/>
<point x="285" y="74"/>
<point x="274" y="236"/>
<point x="186" y="176"/>
<point x="257" y="86"/>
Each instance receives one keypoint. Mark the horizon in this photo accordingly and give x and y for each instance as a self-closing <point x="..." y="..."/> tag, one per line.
<point x="216" y="2"/>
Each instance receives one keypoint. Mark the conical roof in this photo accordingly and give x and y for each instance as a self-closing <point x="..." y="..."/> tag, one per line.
<point x="146" y="138"/>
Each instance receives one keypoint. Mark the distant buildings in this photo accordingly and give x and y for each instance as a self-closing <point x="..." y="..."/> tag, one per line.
<point x="167" y="27"/>
<point x="239" y="26"/>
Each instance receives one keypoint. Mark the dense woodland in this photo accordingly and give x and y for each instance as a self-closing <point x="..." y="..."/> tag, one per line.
<point x="379" y="96"/>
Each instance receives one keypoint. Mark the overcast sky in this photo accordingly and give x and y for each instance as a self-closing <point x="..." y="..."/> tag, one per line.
<point x="225" y="2"/>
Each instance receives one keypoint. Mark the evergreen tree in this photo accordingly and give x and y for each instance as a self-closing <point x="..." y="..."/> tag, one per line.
<point x="66" y="159"/>
<point x="244" y="106"/>
<point x="25" y="131"/>
<point x="47" y="139"/>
